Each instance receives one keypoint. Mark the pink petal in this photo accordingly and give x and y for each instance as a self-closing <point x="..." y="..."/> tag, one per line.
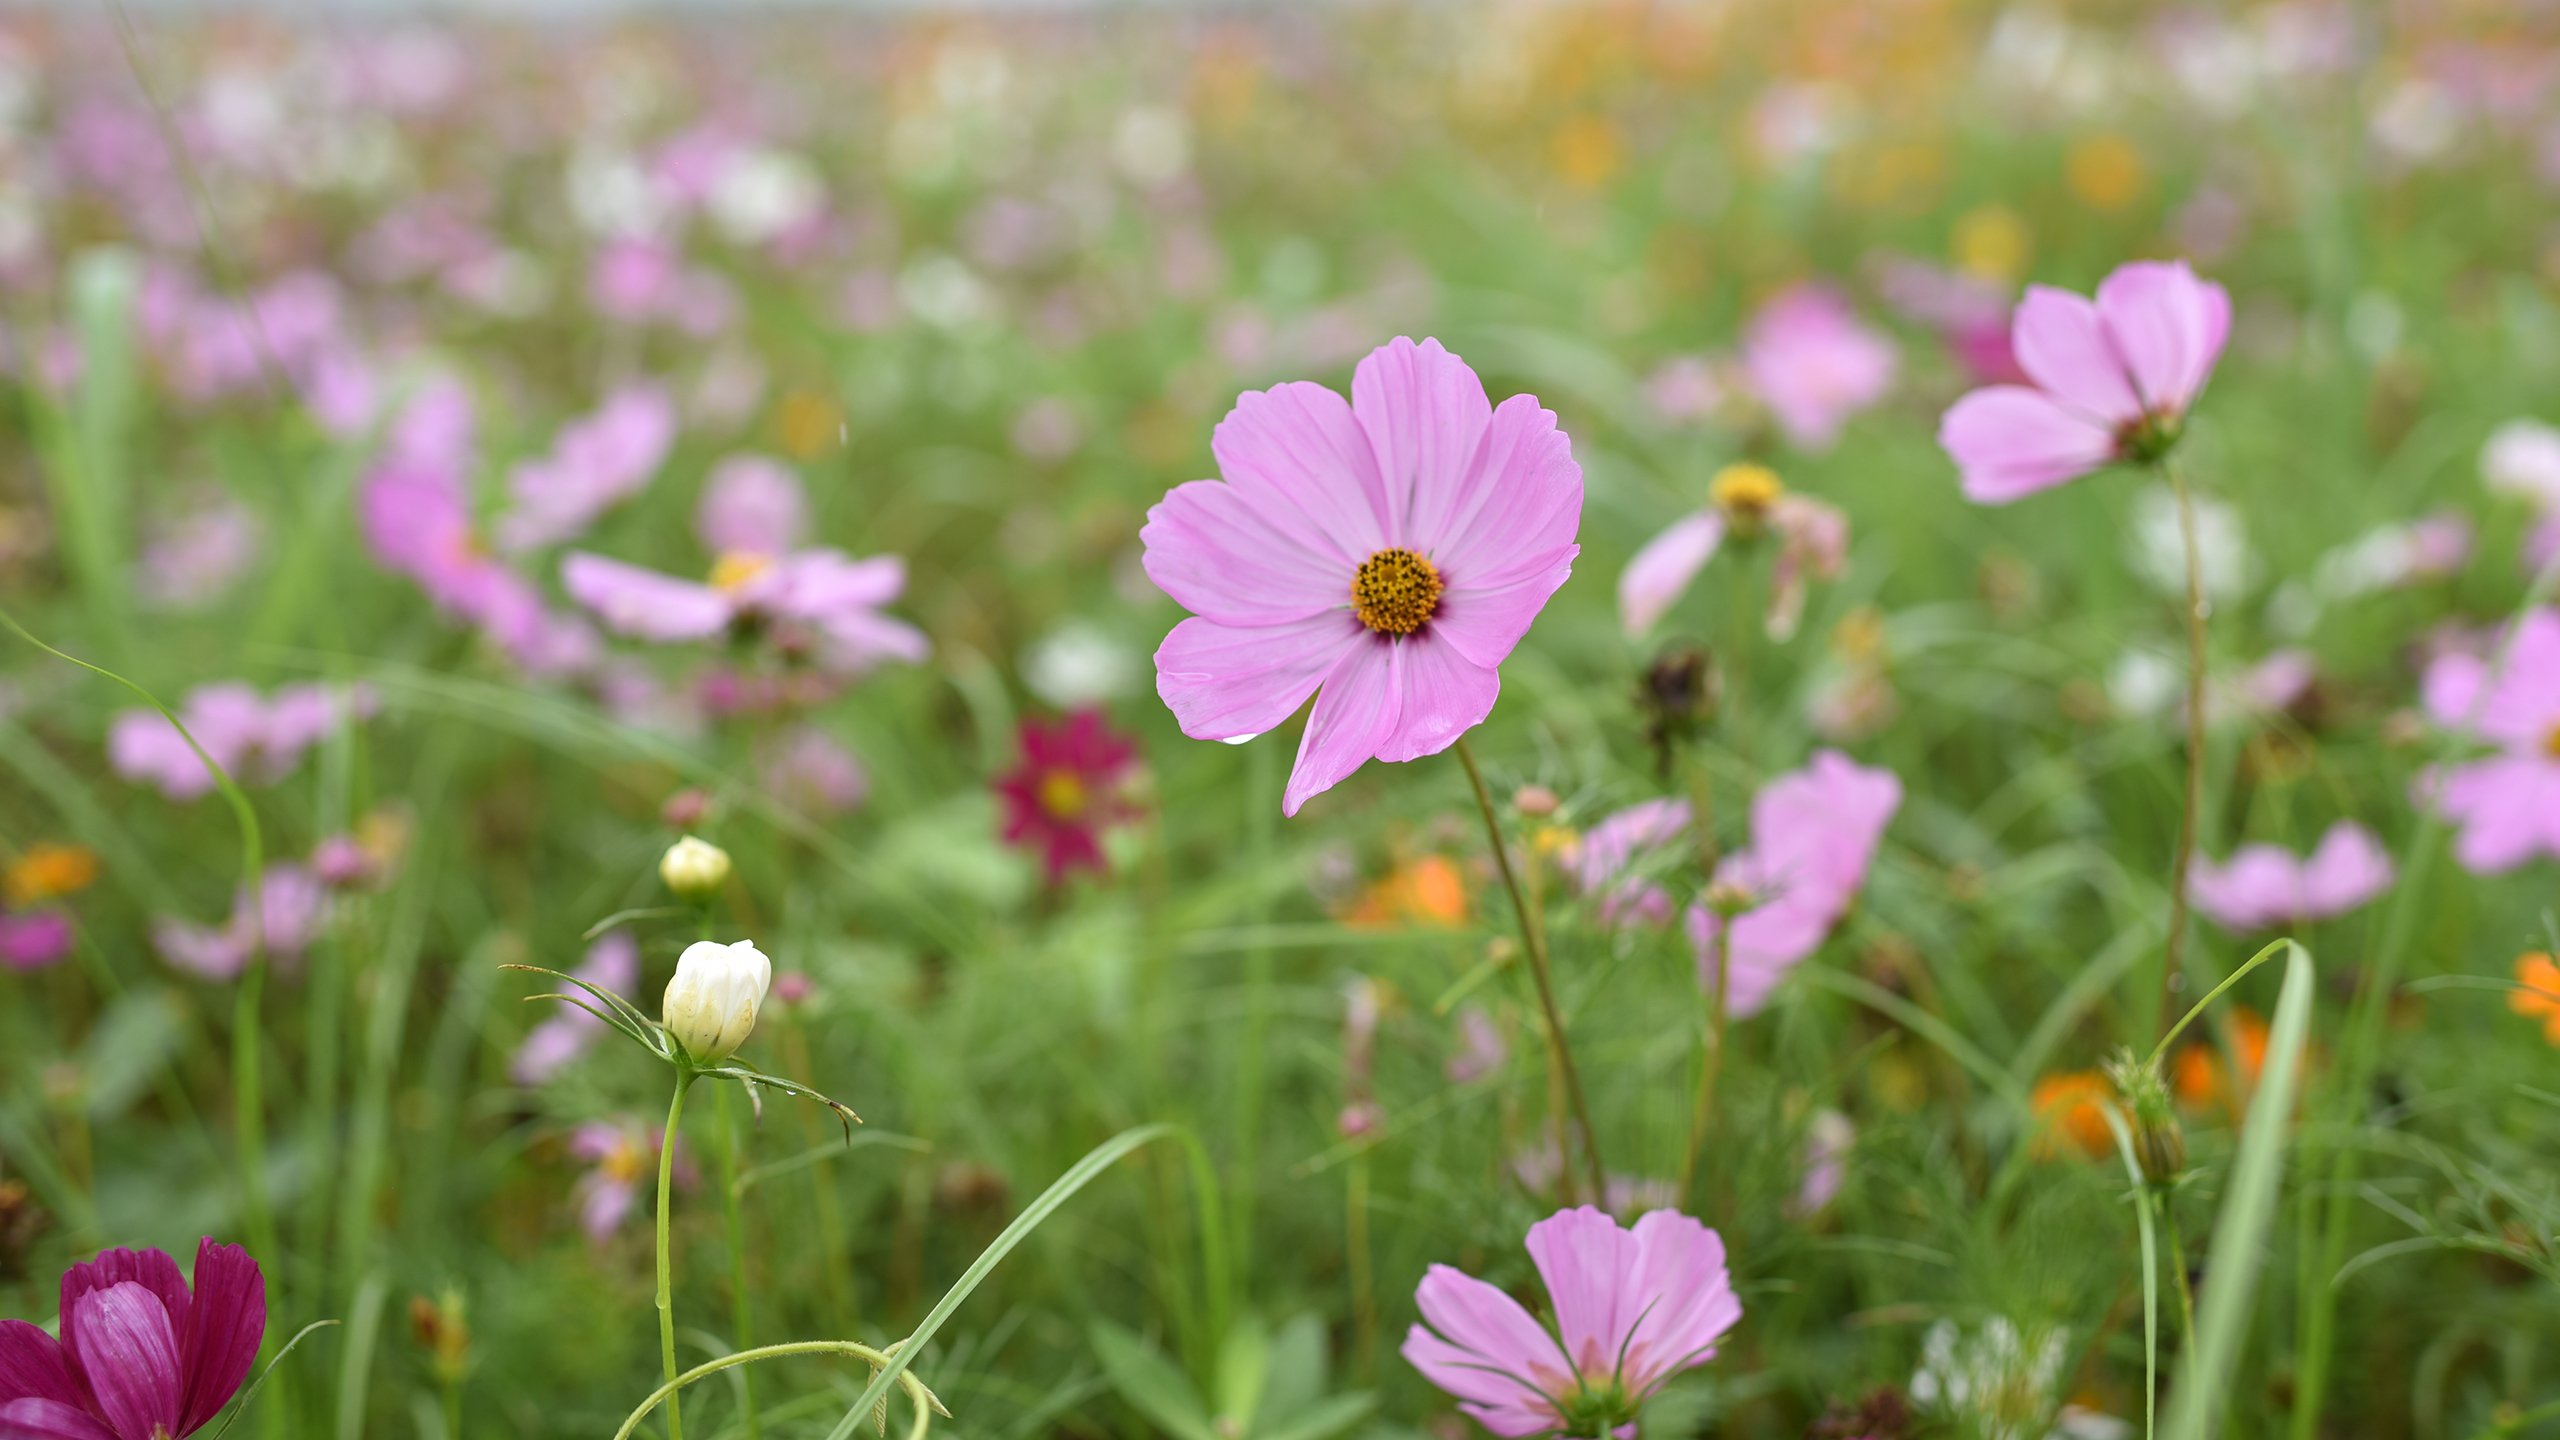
<point x="129" y="1354"/>
<point x="813" y="584"/>
<point x="2258" y="886"/>
<point x="2168" y="325"/>
<point x="49" y="1419"/>
<point x="31" y="1364"/>
<point x="1500" y="1404"/>
<point x="1519" y="503"/>
<point x="1356" y="715"/>
<point x="2348" y="869"/>
<point x="860" y="639"/>
<point x="2010" y="442"/>
<point x="752" y="505"/>
<point x="2522" y="707"/>
<point x="1301" y="458"/>
<point x="2507" y="808"/>
<point x="1688" y="1300"/>
<point x="1424" y="412"/>
<point x="643" y="603"/>
<point x="1209" y="548"/>
<point x="2064" y="349"/>
<point x="1445" y="696"/>
<point x="224" y="1332"/>
<point x="1486" y="624"/>
<point x="1660" y="572"/>
<point x="1491" y="1327"/>
<point x="1589" y="1265"/>
<point x="1224" y="682"/>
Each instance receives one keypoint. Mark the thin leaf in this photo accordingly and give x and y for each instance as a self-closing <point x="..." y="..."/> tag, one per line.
<point x="252" y="1392"/>
<point x="1153" y="1384"/>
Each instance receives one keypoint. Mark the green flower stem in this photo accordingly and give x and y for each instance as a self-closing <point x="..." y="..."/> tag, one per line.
<point x="741" y="1316"/>
<point x="2173" y="955"/>
<point x="1533" y="939"/>
<point x="1711" y="1038"/>
<point x="666" y="1266"/>
<point x="926" y="1405"/>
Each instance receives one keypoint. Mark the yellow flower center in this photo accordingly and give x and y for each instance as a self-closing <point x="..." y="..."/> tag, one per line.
<point x="1395" y="591"/>
<point x="738" y="569"/>
<point x="1745" y="492"/>
<point x="625" y="1162"/>
<point x="1062" y="794"/>
<point x="2551" y="743"/>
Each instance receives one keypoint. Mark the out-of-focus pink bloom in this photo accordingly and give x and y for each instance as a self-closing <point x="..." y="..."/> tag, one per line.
<point x="1047" y="431"/>
<point x="1067" y="790"/>
<point x="1814" y="832"/>
<point x="752" y="505"/>
<point x="253" y="738"/>
<point x="2262" y="886"/>
<point x="595" y="464"/>
<point x="2522" y="459"/>
<point x="611" y="963"/>
<point x="1609" y="850"/>
<point x="1813" y="543"/>
<point x="1633" y="1308"/>
<point x="1685" y="389"/>
<point x="291" y="904"/>
<point x="2507" y="804"/>
<point x="2280" y="681"/>
<point x="1970" y="314"/>
<point x="2113" y="379"/>
<point x="815" y="771"/>
<point x="1359" y="1120"/>
<point x="1826" y="1163"/>
<point x="34" y="939"/>
<point x="1815" y="364"/>
<point x="342" y="863"/>
<point x="622" y="1156"/>
<point x="794" y="987"/>
<point x="1480" y="1053"/>
<point x="1384" y="553"/>
<point x="194" y="558"/>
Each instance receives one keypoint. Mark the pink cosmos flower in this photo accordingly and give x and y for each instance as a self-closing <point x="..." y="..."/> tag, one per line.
<point x="1815" y="364"/>
<point x="1813" y="544"/>
<point x="1068" y="789"/>
<point x="1633" y="1308"/>
<point x="1481" y="1051"/>
<point x="622" y="1155"/>
<point x="253" y="738"/>
<point x="2509" y="803"/>
<point x="595" y="464"/>
<point x="1384" y="554"/>
<point x="1611" y="849"/>
<point x="612" y="963"/>
<point x="1970" y="314"/>
<point x="1814" y="832"/>
<point x="2522" y="459"/>
<point x="815" y="772"/>
<point x="142" y="1355"/>
<point x="1827" y="1143"/>
<point x="2261" y="886"/>
<point x="34" y="939"/>
<point x="292" y="903"/>
<point x="2113" y="380"/>
<point x="751" y="516"/>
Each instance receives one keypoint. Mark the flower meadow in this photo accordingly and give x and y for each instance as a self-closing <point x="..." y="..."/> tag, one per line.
<point x="1351" y="722"/>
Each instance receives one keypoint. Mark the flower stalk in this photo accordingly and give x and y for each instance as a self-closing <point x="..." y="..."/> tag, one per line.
<point x="666" y="1259"/>
<point x="2173" y="954"/>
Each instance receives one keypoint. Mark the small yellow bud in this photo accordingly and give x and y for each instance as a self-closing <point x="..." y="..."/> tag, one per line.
<point x="694" y="869"/>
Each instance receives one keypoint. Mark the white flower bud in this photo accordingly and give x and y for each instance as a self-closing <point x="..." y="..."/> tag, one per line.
<point x="710" y="1006"/>
<point x="694" y="869"/>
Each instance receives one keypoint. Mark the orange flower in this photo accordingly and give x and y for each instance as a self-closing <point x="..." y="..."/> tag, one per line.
<point x="2200" y="1077"/>
<point x="2106" y="172"/>
<point x="1428" y="891"/>
<point x="49" y="872"/>
<point x="2070" y="1111"/>
<point x="2539" y="974"/>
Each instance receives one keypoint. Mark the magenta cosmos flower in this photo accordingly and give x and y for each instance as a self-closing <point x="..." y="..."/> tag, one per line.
<point x="1633" y="1307"/>
<point x="1814" y="833"/>
<point x="2262" y="886"/>
<point x="2113" y="380"/>
<point x="2508" y="804"/>
<point x="142" y="1357"/>
<point x="1067" y="790"/>
<point x="1384" y="554"/>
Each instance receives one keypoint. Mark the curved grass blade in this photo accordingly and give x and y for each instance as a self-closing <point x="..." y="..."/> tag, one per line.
<point x="252" y="1392"/>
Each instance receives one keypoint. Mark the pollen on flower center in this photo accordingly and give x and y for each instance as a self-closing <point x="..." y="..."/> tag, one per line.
<point x="2551" y="743"/>
<point x="1395" y="591"/>
<point x="738" y="569"/>
<point x="1745" y="491"/>
<point x="1062" y="794"/>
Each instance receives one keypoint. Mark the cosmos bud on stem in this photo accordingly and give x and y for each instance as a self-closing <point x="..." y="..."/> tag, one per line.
<point x="710" y="1005"/>
<point x="694" y="869"/>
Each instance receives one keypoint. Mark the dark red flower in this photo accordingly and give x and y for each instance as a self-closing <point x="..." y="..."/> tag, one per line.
<point x="142" y="1357"/>
<point x="1066" y="790"/>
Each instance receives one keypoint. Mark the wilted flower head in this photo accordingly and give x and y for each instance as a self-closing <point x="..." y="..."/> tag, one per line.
<point x="1633" y="1308"/>
<point x="1384" y="553"/>
<point x="142" y="1354"/>
<point x="2113" y="380"/>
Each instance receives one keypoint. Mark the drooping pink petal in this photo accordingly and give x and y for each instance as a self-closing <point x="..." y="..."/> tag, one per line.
<point x="1661" y="572"/>
<point x="1357" y="711"/>
<point x="1225" y="682"/>
<point x="1518" y="502"/>
<point x="1424" y="412"/>
<point x="224" y="1331"/>
<point x="2065" y="350"/>
<point x="128" y="1352"/>
<point x="32" y="1366"/>
<point x="1445" y="695"/>
<point x="1219" y="556"/>
<point x="49" y="1419"/>
<point x="1493" y="1399"/>
<point x="1300" y="456"/>
<point x="644" y="603"/>
<point x="1491" y="1327"/>
<point x="2168" y="325"/>
<point x="2010" y="442"/>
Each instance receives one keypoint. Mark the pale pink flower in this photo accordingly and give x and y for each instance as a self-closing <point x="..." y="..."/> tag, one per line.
<point x="596" y="463"/>
<point x="2263" y="886"/>
<point x="255" y="739"/>
<point x="2113" y="380"/>
<point x="1481" y="1051"/>
<point x="1633" y="1308"/>
<point x="1815" y="364"/>
<point x="291" y="904"/>
<point x="1812" y="541"/>
<point x="1609" y="851"/>
<point x="623" y="1156"/>
<point x="1384" y="554"/>
<point x="813" y="771"/>
<point x="2508" y="804"/>
<point x="1814" y="833"/>
<point x="1826" y="1164"/>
